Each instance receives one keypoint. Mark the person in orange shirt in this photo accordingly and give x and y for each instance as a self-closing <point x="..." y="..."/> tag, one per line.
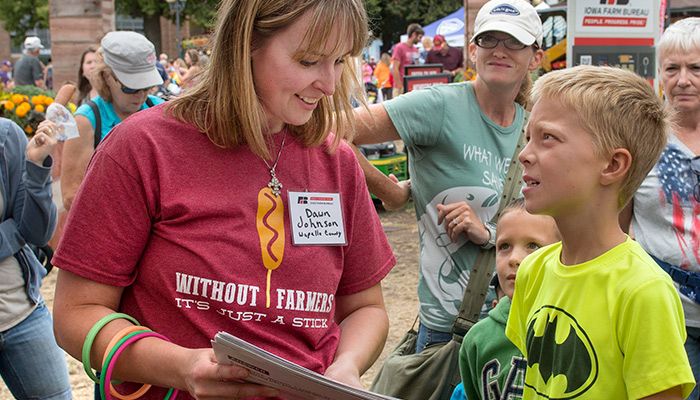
<point x="383" y="74"/>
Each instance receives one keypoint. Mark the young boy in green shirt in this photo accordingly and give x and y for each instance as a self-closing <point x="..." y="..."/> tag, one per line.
<point x="594" y="315"/>
<point x="491" y="366"/>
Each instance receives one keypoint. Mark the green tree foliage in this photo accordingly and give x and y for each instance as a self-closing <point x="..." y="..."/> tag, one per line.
<point x="389" y="18"/>
<point x="201" y="12"/>
<point x="19" y="17"/>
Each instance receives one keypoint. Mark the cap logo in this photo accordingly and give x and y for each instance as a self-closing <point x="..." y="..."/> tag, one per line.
<point x="505" y="9"/>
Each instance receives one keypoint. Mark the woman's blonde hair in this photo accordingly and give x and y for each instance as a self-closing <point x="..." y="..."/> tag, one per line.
<point x="98" y="77"/>
<point x="224" y="104"/>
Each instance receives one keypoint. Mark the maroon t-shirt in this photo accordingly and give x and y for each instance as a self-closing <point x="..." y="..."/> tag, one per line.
<point x="173" y="218"/>
<point x="405" y="54"/>
<point x="450" y="61"/>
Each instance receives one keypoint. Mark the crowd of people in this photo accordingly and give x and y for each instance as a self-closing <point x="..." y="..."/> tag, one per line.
<point x="29" y="69"/>
<point x="387" y="74"/>
<point x="181" y="210"/>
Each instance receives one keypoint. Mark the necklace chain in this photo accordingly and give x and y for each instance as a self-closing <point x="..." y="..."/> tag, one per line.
<point x="275" y="185"/>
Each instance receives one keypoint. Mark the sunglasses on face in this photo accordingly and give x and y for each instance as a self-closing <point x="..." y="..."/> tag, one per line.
<point x="490" y="42"/>
<point x="128" y="90"/>
<point x="695" y="167"/>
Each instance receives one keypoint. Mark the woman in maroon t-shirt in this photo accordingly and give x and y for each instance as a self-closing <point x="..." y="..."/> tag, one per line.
<point x="182" y="223"/>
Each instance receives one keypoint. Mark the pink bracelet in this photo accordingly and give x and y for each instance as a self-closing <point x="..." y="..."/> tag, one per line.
<point x="113" y="362"/>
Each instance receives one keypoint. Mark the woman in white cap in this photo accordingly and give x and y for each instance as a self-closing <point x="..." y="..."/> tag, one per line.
<point x="459" y="156"/>
<point x="232" y="208"/>
<point x="124" y="76"/>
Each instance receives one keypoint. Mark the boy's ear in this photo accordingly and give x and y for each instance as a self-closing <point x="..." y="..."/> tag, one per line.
<point x="619" y="164"/>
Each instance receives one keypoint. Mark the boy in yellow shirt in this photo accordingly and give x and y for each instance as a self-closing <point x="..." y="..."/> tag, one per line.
<point x="594" y="315"/>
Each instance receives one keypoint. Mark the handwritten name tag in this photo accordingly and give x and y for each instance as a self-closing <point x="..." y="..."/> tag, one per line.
<point x="316" y="219"/>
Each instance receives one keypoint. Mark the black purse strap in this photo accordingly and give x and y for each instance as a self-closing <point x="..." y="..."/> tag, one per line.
<point x="480" y="276"/>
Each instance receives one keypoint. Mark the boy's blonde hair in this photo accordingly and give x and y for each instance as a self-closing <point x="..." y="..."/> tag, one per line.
<point x="224" y="104"/>
<point x="618" y="108"/>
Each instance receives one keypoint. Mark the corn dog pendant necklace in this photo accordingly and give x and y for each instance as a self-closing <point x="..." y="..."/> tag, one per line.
<point x="275" y="185"/>
<point x="270" y="223"/>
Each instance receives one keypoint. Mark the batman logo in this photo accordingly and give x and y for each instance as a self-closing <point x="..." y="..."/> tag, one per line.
<point x="561" y="362"/>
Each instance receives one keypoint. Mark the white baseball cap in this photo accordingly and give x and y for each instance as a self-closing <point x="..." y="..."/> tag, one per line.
<point x="517" y="18"/>
<point x="32" y="42"/>
<point x="132" y="58"/>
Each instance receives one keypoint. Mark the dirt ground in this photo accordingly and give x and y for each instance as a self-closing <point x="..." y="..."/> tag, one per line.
<point x="399" y="294"/>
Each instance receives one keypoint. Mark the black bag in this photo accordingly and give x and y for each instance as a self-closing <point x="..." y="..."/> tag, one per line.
<point x="44" y="254"/>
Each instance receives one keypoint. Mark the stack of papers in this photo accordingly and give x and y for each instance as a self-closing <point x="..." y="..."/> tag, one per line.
<point x="296" y="382"/>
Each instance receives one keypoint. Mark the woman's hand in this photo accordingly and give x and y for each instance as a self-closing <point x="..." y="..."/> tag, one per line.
<point x="403" y="193"/>
<point x="42" y="143"/>
<point x="460" y="218"/>
<point x="205" y="378"/>
<point x="344" y="372"/>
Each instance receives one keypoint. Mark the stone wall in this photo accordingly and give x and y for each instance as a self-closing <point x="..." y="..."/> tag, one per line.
<point x="5" y="46"/>
<point x="75" y="25"/>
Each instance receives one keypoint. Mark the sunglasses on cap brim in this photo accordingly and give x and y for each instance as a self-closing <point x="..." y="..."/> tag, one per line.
<point x="128" y="90"/>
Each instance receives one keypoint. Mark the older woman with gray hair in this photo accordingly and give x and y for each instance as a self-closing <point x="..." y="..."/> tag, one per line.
<point x="125" y="74"/>
<point x="664" y="211"/>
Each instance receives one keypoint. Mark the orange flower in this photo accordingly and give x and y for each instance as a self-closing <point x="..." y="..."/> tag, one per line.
<point x="9" y="106"/>
<point x="39" y="108"/>
<point x="22" y="110"/>
<point x="47" y="101"/>
<point x="17" y="99"/>
<point x="28" y="129"/>
<point x="36" y="100"/>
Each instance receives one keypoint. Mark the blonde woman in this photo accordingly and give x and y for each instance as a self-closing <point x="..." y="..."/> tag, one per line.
<point x="183" y="221"/>
<point x="461" y="137"/>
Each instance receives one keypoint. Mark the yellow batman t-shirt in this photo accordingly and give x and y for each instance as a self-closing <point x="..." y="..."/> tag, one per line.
<point x="610" y="328"/>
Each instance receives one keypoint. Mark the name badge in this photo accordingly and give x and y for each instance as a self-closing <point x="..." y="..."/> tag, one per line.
<point x="316" y="219"/>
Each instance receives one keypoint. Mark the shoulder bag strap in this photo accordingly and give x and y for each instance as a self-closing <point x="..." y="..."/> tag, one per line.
<point x="98" y="121"/>
<point x="480" y="276"/>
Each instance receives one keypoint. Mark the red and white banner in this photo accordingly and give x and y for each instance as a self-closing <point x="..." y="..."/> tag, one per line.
<point x="628" y="16"/>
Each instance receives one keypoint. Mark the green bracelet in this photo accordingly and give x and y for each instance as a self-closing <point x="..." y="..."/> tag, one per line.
<point x="90" y="338"/>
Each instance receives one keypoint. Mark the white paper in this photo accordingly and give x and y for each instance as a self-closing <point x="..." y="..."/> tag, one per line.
<point x="296" y="382"/>
<point x="65" y="123"/>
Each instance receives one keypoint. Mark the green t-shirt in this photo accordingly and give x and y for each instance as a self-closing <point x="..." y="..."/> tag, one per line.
<point x="490" y="365"/>
<point x="609" y="328"/>
<point x="456" y="153"/>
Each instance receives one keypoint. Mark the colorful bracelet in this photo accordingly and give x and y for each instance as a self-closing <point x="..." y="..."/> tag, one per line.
<point x="120" y="335"/>
<point x="90" y="338"/>
<point x="109" y="365"/>
<point x="103" y="383"/>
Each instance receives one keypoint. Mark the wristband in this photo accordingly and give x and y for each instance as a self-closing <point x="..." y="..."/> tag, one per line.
<point x="108" y="359"/>
<point x="491" y="242"/>
<point x="108" y="368"/>
<point x="90" y="338"/>
<point x="112" y="344"/>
